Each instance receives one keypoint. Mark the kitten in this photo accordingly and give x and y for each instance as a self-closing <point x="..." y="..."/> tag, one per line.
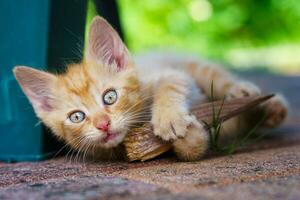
<point x="94" y="104"/>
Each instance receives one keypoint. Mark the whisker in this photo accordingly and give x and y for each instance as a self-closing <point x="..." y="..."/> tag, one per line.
<point x="66" y="145"/>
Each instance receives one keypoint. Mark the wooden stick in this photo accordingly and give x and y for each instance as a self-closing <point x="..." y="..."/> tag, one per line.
<point x="141" y="144"/>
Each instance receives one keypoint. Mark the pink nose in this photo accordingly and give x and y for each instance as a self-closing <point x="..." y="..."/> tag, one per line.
<point x="103" y="125"/>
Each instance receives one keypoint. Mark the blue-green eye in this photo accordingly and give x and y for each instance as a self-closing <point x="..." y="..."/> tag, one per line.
<point x="77" y="116"/>
<point x="110" y="97"/>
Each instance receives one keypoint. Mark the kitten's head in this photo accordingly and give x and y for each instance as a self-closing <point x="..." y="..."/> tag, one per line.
<point x="94" y="102"/>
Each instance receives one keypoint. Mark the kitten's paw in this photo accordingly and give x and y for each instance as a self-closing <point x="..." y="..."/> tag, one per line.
<point x="276" y="110"/>
<point x="170" y="124"/>
<point x="242" y="89"/>
<point x="194" y="145"/>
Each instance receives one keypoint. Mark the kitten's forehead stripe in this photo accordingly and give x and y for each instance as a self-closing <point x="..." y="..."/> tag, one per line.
<point x="78" y="82"/>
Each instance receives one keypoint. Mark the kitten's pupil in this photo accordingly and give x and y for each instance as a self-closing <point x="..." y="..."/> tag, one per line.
<point x="77" y="116"/>
<point x="110" y="97"/>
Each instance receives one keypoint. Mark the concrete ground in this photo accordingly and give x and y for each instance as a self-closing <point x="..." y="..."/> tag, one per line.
<point x="266" y="169"/>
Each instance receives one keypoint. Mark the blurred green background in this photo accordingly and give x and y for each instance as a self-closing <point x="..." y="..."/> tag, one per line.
<point x="241" y="33"/>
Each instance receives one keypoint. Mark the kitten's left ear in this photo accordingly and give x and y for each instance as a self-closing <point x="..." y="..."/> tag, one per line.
<point x="105" y="45"/>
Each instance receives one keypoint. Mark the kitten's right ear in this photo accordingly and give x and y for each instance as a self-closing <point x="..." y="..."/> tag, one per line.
<point x="37" y="85"/>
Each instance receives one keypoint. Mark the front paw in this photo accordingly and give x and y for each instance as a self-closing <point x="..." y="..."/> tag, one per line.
<point x="170" y="124"/>
<point x="242" y="89"/>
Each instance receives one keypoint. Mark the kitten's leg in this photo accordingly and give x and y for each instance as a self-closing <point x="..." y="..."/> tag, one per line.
<point x="228" y="86"/>
<point x="171" y="119"/>
<point x="195" y="143"/>
<point x="273" y="112"/>
<point x="224" y="83"/>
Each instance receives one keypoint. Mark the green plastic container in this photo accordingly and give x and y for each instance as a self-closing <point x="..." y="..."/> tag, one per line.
<point x="36" y="33"/>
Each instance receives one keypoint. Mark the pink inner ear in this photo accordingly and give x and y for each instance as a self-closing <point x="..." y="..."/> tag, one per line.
<point x="119" y="60"/>
<point x="40" y="98"/>
<point x="37" y="85"/>
<point x="105" y="44"/>
<point x="45" y="105"/>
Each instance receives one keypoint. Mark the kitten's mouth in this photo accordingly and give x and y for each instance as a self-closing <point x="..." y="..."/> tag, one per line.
<point x="109" y="136"/>
<point x="109" y="139"/>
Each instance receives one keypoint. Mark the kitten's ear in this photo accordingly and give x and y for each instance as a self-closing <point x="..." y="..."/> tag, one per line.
<point x="37" y="85"/>
<point x="105" y="45"/>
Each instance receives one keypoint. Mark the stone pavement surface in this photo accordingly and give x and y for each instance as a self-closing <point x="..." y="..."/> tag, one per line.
<point x="266" y="169"/>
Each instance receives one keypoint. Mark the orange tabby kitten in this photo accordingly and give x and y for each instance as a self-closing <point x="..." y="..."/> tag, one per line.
<point x="94" y="104"/>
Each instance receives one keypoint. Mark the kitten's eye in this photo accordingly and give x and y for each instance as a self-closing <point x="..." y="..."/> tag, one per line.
<point x="110" y="97"/>
<point x="77" y="116"/>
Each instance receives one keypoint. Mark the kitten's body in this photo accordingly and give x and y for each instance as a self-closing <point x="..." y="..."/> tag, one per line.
<point x="157" y="87"/>
<point x="198" y="76"/>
